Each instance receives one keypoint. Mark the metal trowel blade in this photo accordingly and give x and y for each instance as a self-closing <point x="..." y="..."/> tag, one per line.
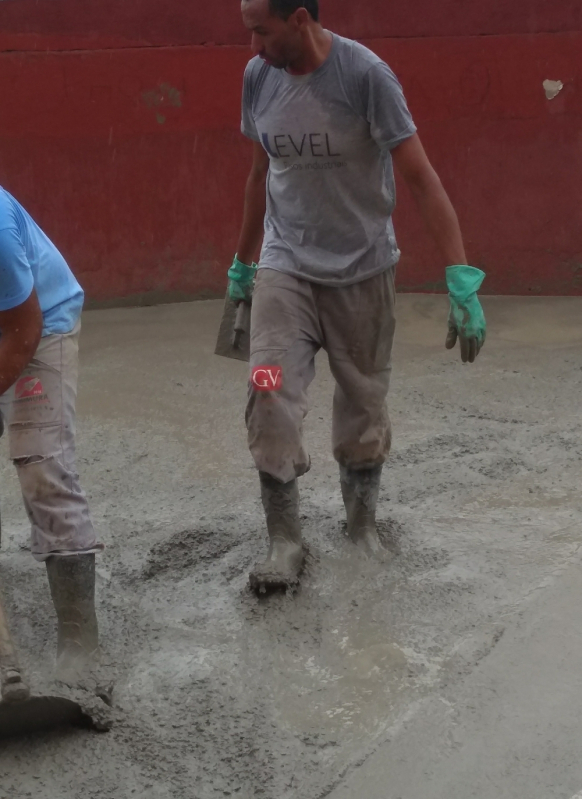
<point x="39" y="714"/>
<point x="225" y="344"/>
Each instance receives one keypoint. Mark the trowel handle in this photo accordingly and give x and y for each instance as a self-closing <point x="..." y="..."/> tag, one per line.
<point x="242" y="323"/>
<point x="12" y="686"/>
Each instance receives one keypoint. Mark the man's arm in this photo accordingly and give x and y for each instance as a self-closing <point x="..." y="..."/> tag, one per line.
<point x="255" y="206"/>
<point x="466" y="319"/>
<point x="432" y="200"/>
<point x="21" y="330"/>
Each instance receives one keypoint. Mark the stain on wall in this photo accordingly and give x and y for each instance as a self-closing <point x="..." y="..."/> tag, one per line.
<point x="162" y="98"/>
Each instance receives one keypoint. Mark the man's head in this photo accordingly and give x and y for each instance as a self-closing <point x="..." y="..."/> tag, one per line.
<point x="279" y="27"/>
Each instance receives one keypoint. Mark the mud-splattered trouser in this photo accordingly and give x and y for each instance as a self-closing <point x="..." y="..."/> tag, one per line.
<point x="40" y="413"/>
<point x="291" y="320"/>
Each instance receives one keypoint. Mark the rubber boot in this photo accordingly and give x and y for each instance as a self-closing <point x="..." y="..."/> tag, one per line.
<point x="360" y="489"/>
<point x="286" y="557"/>
<point x="72" y="584"/>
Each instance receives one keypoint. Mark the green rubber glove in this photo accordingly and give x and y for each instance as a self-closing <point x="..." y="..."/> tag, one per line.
<point x="466" y="320"/>
<point x="241" y="280"/>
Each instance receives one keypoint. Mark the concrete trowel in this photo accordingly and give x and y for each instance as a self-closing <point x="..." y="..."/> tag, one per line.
<point x="20" y="712"/>
<point x="234" y="339"/>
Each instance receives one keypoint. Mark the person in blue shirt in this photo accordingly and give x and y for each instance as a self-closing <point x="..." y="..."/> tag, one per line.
<point x="40" y="310"/>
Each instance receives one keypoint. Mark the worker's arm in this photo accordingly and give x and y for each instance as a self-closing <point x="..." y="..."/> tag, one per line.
<point x="241" y="275"/>
<point x="21" y="330"/>
<point x="431" y="199"/>
<point x="255" y="206"/>
<point x="20" y="314"/>
<point x="466" y="319"/>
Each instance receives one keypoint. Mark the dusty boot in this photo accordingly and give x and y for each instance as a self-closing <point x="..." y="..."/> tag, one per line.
<point x="72" y="584"/>
<point x="286" y="557"/>
<point x="360" y="489"/>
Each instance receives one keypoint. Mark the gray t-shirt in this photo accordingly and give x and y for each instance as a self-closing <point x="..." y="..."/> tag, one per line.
<point x="330" y="188"/>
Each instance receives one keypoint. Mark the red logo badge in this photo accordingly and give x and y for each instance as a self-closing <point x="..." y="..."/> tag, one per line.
<point x="267" y="378"/>
<point x="28" y="387"/>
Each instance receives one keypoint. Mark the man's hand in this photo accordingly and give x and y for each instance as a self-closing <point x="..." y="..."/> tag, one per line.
<point x="466" y="320"/>
<point x="241" y="281"/>
<point x="21" y="330"/>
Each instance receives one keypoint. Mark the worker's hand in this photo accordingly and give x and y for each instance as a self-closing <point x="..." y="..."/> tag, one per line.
<point x="241" y="281"/>
<point x="466" y="319"/>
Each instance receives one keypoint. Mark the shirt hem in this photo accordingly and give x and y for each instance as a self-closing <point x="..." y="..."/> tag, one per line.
<point x="337" y="284"/>
<point x="61" y="328"/>
<point x="393" y="143"/>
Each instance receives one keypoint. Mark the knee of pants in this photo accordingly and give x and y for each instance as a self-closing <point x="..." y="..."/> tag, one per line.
<point x="275" y="409"/>
<point x="57" y="508"/>
<point x="44" y="479"/>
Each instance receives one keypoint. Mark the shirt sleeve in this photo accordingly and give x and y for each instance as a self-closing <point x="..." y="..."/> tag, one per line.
<point x="248" y="126"/>
<point x="390" y="120"/>
<point x="16" y="280"/>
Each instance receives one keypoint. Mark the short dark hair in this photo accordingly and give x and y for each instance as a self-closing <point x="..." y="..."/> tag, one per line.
<point x="284" y="8"/>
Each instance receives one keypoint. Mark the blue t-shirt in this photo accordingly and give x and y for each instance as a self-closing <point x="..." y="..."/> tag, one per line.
<point x="29" y="259"/>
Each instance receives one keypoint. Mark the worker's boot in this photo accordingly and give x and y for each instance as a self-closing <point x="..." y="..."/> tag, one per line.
<point x="360" y="489"/>
<point x="72" y="584"/>
<point x="286" y="558"/>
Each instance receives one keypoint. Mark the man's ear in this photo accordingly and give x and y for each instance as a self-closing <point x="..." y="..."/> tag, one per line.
<point x="302" y="17"/>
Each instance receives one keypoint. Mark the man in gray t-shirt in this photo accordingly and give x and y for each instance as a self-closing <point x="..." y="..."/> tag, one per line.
<point x="328" y="135"/>
<point x="328" y="119"/>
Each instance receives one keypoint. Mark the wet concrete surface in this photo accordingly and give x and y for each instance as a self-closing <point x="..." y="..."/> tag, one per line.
<point x="409" y="677"/>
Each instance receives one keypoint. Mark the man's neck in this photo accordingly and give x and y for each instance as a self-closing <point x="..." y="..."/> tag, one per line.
<point x="318" y="44"/>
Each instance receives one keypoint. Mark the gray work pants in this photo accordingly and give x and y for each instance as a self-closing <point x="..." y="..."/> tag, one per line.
<point x="291" y="320"/>
<point x="40" y="412"/>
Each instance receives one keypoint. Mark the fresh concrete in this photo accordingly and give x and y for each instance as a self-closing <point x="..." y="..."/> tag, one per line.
<point x="511" y="729"/>
<point x="447" y="669"/>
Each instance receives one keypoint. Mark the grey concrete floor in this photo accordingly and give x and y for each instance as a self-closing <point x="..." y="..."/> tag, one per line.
<point x="448" y="668"/>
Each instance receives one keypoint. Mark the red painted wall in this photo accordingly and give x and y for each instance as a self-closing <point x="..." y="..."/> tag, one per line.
<point x="119" y="132"/>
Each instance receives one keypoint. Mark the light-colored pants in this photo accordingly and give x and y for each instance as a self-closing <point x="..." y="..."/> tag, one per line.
<point x="40" y="413"/>
<point x="291" y="320"/>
